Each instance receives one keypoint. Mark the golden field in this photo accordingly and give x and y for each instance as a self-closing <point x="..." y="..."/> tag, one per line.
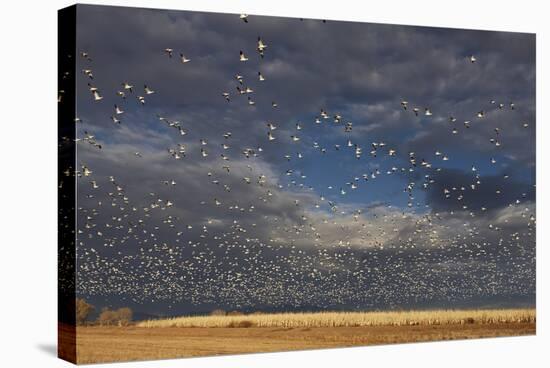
<point x="350" y="319"/>
<point x="219" y="335"/>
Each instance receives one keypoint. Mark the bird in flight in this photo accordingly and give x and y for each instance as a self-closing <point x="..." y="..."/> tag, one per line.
<point x="261" y="47"/>
<point x="183" y="59"/>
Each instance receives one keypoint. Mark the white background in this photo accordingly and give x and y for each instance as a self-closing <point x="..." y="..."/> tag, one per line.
<point x="28" y="188"/>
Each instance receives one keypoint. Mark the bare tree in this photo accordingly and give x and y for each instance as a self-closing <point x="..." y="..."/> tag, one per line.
<point x="218" y="312"/>
<point x="83" y="310"/>
<point x="107" y="317"/>
<point x="120" y="317"/>
<point x="124" y="316"/>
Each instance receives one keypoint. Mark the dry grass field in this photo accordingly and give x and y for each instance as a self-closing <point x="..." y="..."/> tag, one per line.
<point x="218" y="335"/>
<point x="350" y="319"/>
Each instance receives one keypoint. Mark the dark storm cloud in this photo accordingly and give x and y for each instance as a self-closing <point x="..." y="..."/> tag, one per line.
<point x="491" y="192"/>
<point x="332" y="65"/>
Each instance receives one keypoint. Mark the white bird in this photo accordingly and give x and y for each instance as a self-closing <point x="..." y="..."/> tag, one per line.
<point x="261" y="46"/>
<point x="127" y="86"/>
<point x="242" y="56"/>
<point x="148" y="90"/>
<point x="184" y="59"/>
<point x="85" y="55"/>
<point x="88" y="73"/>
<point x="169" y="51"/>
<point x="472" y="58"/>
<point x="244" y="17"/>
<point x="118" y="110"/>
<point x="97" y="96"/>
<point x="86" y="171"/>
<point x="261" y="77"/>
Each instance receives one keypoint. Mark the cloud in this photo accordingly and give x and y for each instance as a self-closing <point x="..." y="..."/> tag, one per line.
<point x="453" y="189"/>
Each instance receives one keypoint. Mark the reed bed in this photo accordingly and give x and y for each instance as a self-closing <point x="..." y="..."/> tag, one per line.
<point x="350" y="319"/>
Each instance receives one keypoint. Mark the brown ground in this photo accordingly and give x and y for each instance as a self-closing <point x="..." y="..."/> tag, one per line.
<point x="107" y="344"/>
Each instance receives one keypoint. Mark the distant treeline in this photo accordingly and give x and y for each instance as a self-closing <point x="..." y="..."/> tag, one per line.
<point x="107" y="317"/>
<point x="124" y="316"/>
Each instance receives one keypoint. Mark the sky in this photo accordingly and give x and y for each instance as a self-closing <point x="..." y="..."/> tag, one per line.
<point x="356" y="202"/>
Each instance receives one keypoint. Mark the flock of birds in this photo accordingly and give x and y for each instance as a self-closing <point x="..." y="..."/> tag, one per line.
<point x="250" y="253"/>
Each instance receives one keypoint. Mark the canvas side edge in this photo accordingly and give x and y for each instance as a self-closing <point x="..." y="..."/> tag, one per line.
<point x="66" y="40"/>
